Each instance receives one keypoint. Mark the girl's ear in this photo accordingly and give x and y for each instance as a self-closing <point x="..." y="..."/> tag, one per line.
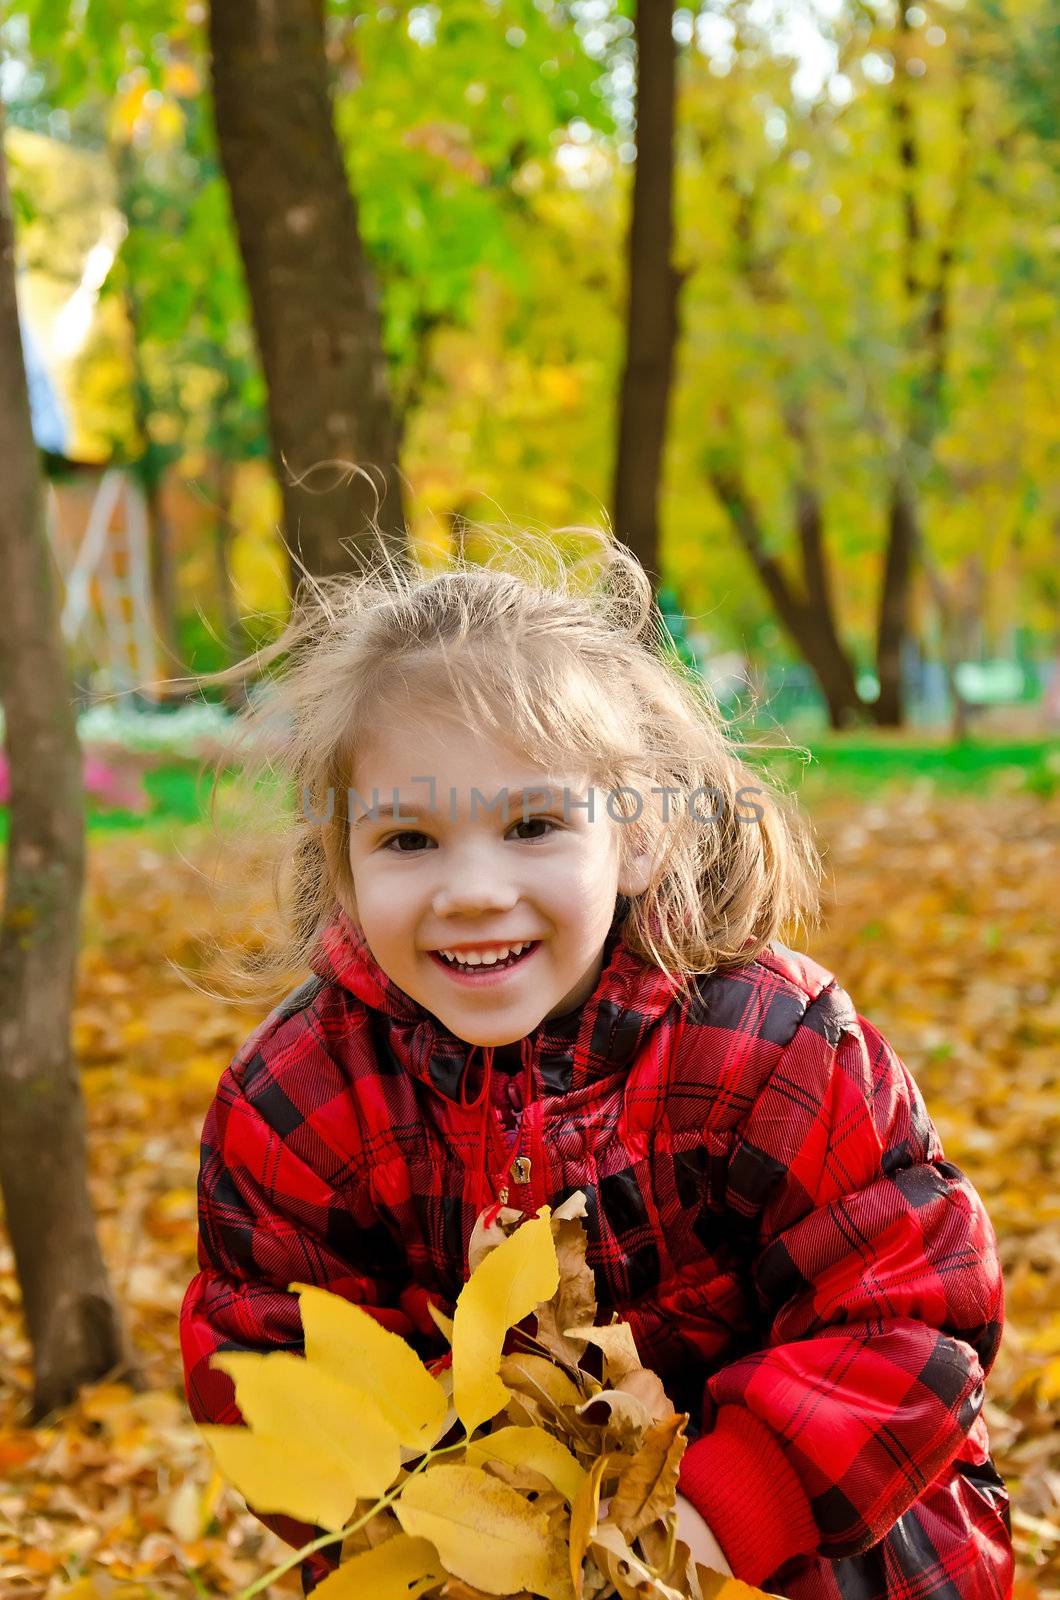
<point x="644" y="848"/>
<point x="636" y="872"/>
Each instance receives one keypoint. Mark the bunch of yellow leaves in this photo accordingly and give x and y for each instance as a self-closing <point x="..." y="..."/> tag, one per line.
<point x="518" y="1474"/>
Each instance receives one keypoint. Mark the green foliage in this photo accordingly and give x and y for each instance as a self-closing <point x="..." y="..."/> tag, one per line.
<point x="487" y="142"/>
<point x="439" y="109"/>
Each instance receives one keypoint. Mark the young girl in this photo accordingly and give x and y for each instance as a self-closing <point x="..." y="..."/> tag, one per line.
<point x="540" y="897"/>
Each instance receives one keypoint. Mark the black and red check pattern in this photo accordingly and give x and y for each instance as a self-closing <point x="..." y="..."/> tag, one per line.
<point x="769" y="1207"/>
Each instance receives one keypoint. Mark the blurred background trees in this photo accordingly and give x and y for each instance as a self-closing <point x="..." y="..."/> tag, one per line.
<point x="69" y="1308"/>
<point x="856" y="480"/>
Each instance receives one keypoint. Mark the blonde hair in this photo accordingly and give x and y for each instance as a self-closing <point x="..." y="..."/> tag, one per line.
<point x="563" y="655"/>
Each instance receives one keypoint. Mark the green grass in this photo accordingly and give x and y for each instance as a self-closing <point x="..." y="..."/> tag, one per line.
<point x="178" y="793"/>
<point x="860" y="763"/>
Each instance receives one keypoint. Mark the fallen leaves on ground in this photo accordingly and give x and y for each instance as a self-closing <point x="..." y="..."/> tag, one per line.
<point x="943" y="931"/>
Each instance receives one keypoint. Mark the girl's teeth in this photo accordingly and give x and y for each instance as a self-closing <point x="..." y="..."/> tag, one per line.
<point x="474" y="959"/>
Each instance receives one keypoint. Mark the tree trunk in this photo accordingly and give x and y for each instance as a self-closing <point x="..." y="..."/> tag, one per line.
<point x="951" y="636"/>
<point x="808" y="625"/>
<point x="311" y="291"/>
<point x="895" y="604"/>
<point x="224" y="475"/>
<point x="927" y="299"/>
<point x="654" y="285"/>
<point x="807" y="611"/>
<point x="70" y="1312"/>
<point x="830" y="660"/>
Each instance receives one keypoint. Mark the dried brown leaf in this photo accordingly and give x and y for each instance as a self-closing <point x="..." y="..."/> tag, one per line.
<point x="647" y="1387"/>
<point x="647" y="1488"/>
<point x="484" y="1239"/>
<point x="618" y="1347"/>
<point x="629" y="1573"/>
<point x="574" y="1303"/>
<point x="622" y="1419"/>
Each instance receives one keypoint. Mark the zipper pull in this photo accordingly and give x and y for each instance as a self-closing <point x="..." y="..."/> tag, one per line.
<point x="521" y="1169"/>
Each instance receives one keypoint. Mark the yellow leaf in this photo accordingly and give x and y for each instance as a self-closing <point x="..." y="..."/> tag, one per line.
<point x="168" y="121"/>
<point x="400" y="1569"/>
<point x="584" y="1515"/>
<point x="443" y="1323"/>
<point x="484" y="1532"/>
<point x="280" y="1391"/>
<point x="127" y="108"/>
<point x="534" y="1448"/>
<point x="278" y="1473"/>
<point x="532" y="1375"/>
<point x="506" y="1286"/>
<point x="668" y="1556"/>
<point x="342" y="1339"/>
<point x="183" y="1511"/>
<point x="715" y="1587"/>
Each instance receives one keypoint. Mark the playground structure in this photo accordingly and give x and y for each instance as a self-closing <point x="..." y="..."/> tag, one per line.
<point x="106" y="614"/>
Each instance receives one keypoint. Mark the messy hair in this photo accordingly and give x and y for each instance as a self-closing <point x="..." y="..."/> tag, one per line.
<point x="553" y="644"/>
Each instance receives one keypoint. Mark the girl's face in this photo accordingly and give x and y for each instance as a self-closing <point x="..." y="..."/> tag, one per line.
<point x="450" y="873"/>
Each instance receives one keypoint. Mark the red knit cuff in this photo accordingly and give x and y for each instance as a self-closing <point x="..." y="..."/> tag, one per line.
<point x="743" y="1485"/>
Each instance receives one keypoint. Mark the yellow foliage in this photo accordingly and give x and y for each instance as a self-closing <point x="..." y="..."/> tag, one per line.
<point x="485" y="1532"/>
<point x="278" y="1473"/>
<point x="534" y="1448"/>
<point x="401" y="1569"/>
<point x="508" y="1284"/>
<point x="342" y="1339"/>
<point x="341" y="1416"/>
<point x="584" y="1516"/>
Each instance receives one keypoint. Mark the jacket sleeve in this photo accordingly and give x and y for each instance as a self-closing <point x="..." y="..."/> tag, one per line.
<point x="876" y="1273"/>
<point x="279" y="1202"/>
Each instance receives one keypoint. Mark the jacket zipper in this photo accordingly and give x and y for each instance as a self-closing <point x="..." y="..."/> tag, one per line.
<point x="519" y="1170"/>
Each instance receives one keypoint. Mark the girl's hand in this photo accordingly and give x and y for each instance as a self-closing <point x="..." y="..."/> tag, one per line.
<point x="697" y="1536"/>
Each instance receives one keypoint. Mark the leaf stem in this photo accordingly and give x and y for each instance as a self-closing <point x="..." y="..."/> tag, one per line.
<point x="285" y="1566"/>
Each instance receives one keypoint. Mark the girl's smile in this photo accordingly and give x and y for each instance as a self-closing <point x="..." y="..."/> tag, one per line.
<point x="487" y="969"/>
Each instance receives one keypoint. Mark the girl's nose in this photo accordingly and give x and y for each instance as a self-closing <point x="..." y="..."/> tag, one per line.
<point x="474" y="887"/>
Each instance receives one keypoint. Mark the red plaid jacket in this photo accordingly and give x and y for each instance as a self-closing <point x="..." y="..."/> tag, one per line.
<point x="769" y="1207"/>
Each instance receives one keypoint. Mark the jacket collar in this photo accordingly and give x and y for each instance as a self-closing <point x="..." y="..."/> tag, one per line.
<point x="597" y="1039"/>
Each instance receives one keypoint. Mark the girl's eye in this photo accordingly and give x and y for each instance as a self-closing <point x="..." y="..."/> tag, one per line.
<point x="393" y="844"/>
<point x="408" y="834"/>
<point x="530" y="822"/>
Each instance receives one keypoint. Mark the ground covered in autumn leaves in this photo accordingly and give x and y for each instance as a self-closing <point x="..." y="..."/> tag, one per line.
<point x="940" y="923"/>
